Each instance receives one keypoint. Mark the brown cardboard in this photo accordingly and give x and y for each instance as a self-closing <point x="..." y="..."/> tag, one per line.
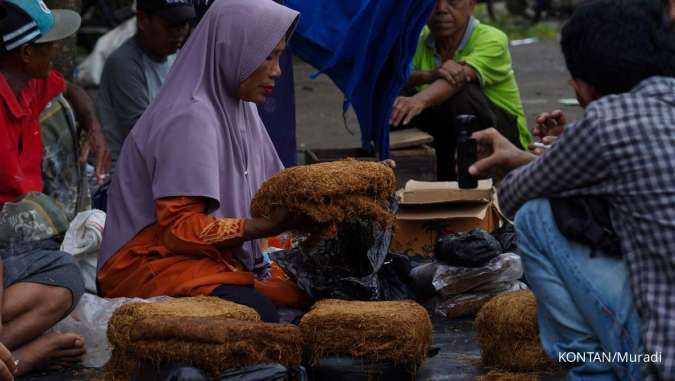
<point x="438" y="192"/>
<point x="440" y="209"/>
<point x="414" y="235"/>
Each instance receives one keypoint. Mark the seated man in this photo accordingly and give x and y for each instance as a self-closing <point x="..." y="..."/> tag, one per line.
<point x="589" y="299"/>
<point x="39" y="287"/>
<point x="134" y="73"/>
<point x="463" y="67"/>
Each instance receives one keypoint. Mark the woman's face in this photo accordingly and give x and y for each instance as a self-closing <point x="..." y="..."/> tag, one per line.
<point x="260" y="84"/>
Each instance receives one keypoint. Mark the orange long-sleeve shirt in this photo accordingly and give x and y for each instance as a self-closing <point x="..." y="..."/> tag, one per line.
<point x="188" y="253"/>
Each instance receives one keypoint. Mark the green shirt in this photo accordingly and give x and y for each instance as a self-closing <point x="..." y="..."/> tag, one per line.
<point x="486" y="50"/>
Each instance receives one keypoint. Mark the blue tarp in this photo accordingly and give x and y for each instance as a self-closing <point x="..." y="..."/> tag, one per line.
<point x="365" y="47"/>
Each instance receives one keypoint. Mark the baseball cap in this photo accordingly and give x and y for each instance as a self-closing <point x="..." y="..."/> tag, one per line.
<point x="175" y="12"/>
<point x="26" y="21"/>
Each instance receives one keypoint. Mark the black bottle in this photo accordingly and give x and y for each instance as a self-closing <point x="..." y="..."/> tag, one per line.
<point x="466" y="150"/>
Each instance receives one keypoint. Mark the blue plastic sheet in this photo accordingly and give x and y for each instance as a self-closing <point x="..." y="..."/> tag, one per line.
<point x="365" y="47"/>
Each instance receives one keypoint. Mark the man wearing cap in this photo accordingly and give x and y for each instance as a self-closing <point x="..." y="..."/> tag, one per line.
<point x="38" y="285"/>
<point x="134" y="73"/>
<point x="28" y="46"/>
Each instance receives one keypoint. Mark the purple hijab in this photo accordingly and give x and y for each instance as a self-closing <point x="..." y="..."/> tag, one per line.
<point x="198" y="138"/>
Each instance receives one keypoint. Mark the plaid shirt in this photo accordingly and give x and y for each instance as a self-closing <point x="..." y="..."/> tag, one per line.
<point x="624" y="151"/>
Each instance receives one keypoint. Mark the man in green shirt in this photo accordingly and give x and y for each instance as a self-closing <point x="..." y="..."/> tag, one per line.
<point x="461" y="67"/>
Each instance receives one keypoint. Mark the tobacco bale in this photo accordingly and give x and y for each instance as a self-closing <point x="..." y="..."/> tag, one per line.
<point x="213" y="344"/>
<point x="398" y="332"/>
<point x="125" y="317"/>
<point x="234" y="344"/>
<point x="329" y="193"/>
<point x="508" y="333"/>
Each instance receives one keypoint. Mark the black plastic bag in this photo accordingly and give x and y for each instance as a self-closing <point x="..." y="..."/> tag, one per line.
<point x="264" y="372"/>
<point x="472" y="249"/>
<point x="354" y="265"/>
<point x="351" y="369"/>
<point x="506" y="235"/>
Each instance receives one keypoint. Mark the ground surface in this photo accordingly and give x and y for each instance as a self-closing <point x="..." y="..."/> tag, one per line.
<point x="543" y="81"/>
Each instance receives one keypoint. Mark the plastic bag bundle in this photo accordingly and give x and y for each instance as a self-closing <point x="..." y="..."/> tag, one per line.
<point x="449" y="280"/>
<point x="470" y="303"/>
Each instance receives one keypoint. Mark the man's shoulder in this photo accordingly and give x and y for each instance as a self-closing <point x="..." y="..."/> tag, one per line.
<point x="484" y="32"/>
<point x="127" y="53"/>
<point x="654" y="90"/>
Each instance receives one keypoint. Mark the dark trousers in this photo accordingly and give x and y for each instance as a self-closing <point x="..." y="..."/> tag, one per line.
<point x="248" y="296"/>
<point x="440" y="121"/>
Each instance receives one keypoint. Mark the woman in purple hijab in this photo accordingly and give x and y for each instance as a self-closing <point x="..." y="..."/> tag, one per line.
<point x="178" y="208"/>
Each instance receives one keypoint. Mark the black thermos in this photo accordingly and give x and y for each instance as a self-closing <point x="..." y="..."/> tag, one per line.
<point x="466" y="150"/>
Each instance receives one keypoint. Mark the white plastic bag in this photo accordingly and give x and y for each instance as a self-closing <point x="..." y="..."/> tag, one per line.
<point x="449" y="280"/>
<point x="90" y="320"/>
<point x="89" y="72"/>
<point x="83" y="241"/>
<point x="471" y="302"/>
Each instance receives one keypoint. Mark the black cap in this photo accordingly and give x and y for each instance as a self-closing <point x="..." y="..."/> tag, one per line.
<point x="175" y="12"/>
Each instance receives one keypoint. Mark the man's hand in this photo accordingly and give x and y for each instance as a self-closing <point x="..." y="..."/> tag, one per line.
<point x="7" y="364"/>
<point x="550" y="124"/>
<point x="405" y="109"/>
<point x="497" y="154"/>
<point x="95" y="143"/>
<point x="86" y="116"/>
<point x="453" y="72"/>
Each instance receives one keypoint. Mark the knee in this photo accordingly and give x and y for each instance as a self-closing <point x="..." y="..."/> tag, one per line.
<point x="533" y="215"/>
<point x="56" y="301"/>
<point x="532" y="222"/>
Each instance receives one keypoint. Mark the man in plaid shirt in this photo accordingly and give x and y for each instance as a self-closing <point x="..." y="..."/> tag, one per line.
<point x="620" y="56"/>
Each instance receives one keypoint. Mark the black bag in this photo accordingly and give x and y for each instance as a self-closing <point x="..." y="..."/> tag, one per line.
<point x="506" y="235"/>
<point x="586" y="220"/>
<point x="265" y="372"/>
<point x="351" y="369"/>
<point x="354" y="265"/>
<point x="472" y="249"/>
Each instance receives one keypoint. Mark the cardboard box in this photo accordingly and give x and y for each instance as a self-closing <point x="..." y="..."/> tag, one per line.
<point x="441" y="192"/>
<point x="429" y="210"/>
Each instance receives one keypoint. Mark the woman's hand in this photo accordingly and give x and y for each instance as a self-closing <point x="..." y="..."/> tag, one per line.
<point x="279" y="222"/>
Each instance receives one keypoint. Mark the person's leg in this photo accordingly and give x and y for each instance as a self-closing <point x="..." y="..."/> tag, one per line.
<point x="248" y="296"/>
<point x="584" y="302"/>
<point x="29" y="309"/>
<point x="41" y="288"/>
<point x="440" y="122"/>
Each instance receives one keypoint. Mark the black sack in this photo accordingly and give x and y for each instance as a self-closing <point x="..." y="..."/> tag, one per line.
<point x="263" y="372"/>
<point x="472" y="249"/>
<point x="354" y="265"/>
<point x="506" y="235"/>
<point x="586" y="220"/>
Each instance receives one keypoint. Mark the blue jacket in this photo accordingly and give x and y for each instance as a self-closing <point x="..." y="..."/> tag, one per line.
<point x="365" y="47"/>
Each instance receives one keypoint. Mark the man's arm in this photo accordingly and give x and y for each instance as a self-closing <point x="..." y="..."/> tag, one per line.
<point x="577" y="161"/>
<point x="420" y="77"/>
<point x="86" y="117"/>
<point x="453" y="77"/>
